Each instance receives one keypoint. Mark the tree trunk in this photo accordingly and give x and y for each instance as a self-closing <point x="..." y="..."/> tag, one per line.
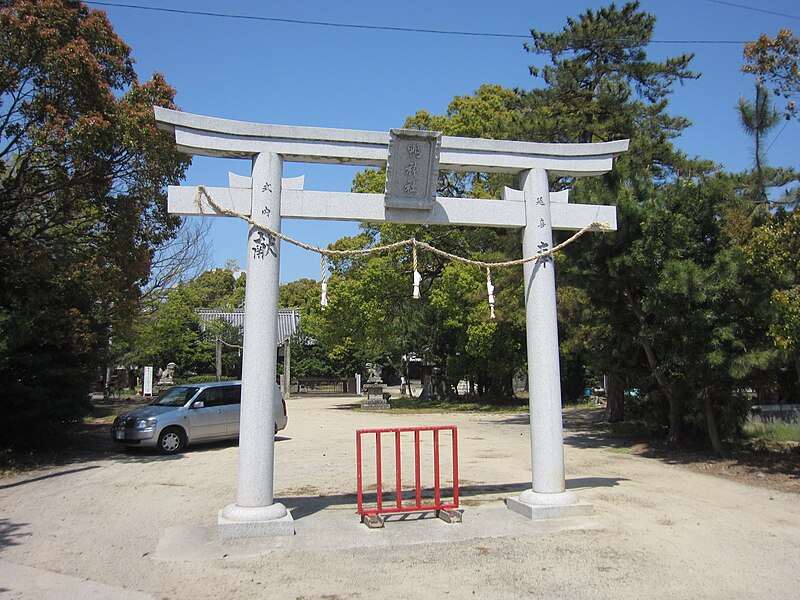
<point x="407" y="371"/>
<point x="426" y="393"/>
<point x="495" y="388"/>
<point x="615" y="400"/>
<point x="675" y="406"/>
<point x="675" y="420"/>
<point x="711" y="423"/>
<point x="508" y="385"/>
<point x="441" y="389"/>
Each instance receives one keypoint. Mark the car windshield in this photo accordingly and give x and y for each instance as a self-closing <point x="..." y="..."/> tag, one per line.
<point x="174" y="396"/>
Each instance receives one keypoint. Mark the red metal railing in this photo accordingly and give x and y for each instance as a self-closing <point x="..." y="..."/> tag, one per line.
<point x="418" y="505"/>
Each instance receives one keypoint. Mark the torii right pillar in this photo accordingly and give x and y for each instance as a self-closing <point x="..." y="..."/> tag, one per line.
<point x="548" y="497"/>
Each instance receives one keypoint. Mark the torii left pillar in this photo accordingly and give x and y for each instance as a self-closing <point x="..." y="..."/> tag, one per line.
<point x="255" y="513"/>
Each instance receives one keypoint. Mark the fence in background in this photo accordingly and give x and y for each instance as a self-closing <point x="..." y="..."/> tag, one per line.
<point x="323" y="386"/>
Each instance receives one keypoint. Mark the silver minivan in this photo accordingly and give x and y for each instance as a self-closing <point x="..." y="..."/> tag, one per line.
<point x="187" y="414"/>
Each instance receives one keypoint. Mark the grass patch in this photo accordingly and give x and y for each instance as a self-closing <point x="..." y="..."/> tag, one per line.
<point x="586" y="404"/>
<point x="408" y="404"/>
<point x="774" y="432"/>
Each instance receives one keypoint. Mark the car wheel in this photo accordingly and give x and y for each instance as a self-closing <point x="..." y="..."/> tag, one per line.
<point x="171" y="441"/>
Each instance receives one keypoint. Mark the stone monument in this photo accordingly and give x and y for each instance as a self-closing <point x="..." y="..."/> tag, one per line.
<point x="373" y="388"/>
<point x="165" y="376"/>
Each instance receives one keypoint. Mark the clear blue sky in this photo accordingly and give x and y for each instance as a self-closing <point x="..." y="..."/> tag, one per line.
<point x="297" y="74"/>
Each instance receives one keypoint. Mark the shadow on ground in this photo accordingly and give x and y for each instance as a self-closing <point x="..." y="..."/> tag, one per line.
<point x="305" y="505"/>
<point x="20" y="482"/>
<point x="11" y="533"/>
<point x="346" y="406"/>
<point x="778" y="470"/>
<point x="585" y="428"/>
<point x="90" y="443"/>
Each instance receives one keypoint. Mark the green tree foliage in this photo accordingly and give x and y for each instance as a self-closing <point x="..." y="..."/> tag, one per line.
<point x="673" y="310"/>
<point x="600" y="86"/>
<point x="309" y="351"/>
<point x="171" y="331"/>
<point x="303" y="294"/>
<point x="471" y="346"/>
<point x="758" y="118"/>
<point x="372" y="316"/>
<point x="82" y="176"/>
<point x="773" y="253"/>
<point x="766" y="185"/>
<point x="774" y="62"/>
<point x="666" y="306"/>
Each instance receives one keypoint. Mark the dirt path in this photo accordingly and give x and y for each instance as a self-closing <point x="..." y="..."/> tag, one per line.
<point x="145" y="523"/>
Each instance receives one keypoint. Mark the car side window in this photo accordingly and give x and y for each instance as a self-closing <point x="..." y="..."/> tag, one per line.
<point x="211" y="397"/>
<point x="232" y="394"/>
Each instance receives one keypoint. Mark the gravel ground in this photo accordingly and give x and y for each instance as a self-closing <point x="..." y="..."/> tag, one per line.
<point x="138" y="525"/>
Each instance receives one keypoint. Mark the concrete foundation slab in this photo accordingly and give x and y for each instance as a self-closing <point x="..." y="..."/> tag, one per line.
<point x="554" y="511"/>
<point x="237" y="530"/>
<point x="339" y="529"/>
<point x="20" y="581"/>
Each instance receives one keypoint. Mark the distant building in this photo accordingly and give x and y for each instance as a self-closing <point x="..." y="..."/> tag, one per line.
<point x="288" y="327"/>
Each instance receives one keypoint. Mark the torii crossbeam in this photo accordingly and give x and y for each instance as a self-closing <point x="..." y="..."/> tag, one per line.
<point x="266" y="198"/>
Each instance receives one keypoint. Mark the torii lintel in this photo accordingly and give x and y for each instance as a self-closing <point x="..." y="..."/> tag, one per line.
<point x="211" y="136"/>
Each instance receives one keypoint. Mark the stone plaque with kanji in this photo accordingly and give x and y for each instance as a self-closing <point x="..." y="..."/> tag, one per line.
<point x="412" y="170"/>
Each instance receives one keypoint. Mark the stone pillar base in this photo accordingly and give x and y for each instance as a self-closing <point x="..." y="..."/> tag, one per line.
<point x="533" y="505"/>
<point x="237" y="522"/>
<point x="375" y="406"/>
<point x="376" y="399"/>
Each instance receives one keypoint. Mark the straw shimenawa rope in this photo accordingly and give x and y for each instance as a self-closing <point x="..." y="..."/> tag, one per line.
<point x="414" y="243"/>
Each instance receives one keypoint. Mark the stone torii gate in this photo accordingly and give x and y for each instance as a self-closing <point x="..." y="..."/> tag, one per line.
<point x="267" y="198"/>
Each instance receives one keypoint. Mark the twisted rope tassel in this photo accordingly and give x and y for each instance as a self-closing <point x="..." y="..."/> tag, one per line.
<point x="417" y="276"/>
<point x="490" y="290"/>
<point x="203" y="191"/>
<point x="323" y="301"/>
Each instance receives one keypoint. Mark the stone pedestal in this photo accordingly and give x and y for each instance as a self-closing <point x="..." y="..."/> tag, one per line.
<point x="533" y="505"/>
<point x="375" y="399"/>
<point x="236" y="522"/>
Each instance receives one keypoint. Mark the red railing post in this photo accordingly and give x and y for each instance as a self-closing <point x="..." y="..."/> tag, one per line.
<point x="436" y="491"/>
<point x="378" y="468"/>
<point x="438" y="505"/>
<point x="398" y="468"/>
<point x="358" y="476"/>
<point x="455" y="466"/>
<point x="416" y="469"/>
